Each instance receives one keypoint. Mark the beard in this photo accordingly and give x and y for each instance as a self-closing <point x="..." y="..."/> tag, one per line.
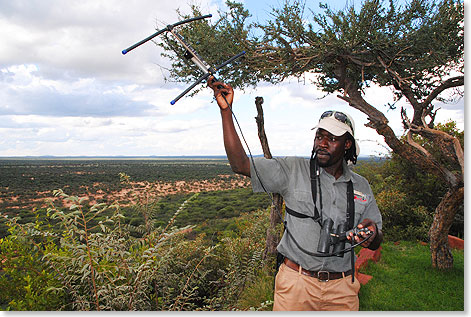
<point x="324" y="159"/>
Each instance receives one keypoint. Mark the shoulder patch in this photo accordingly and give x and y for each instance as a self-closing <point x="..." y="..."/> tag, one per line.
<point x="360" y="196"/>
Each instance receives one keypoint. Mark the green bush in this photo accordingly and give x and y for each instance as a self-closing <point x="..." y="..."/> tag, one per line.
<point x="86" y="264"/>
<point x="401" y="219"/>
<point x="90" y="267"/>
<point x="26" y="281"/>
<point x="406" y="197"/>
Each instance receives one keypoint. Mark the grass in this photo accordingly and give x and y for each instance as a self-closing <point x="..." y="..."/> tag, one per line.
<point x="259" y="295"/>
<point x="404" y="280"/>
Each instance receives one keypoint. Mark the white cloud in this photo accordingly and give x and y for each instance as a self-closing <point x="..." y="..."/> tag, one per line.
<point x="81" y="38"/>
<point x="66" y="89"/>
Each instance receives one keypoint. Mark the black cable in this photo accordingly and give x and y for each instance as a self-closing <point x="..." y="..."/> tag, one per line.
<point x="251" y="157"/>
<point x="327" y="254"/>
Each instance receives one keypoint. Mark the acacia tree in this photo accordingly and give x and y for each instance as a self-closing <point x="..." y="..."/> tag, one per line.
<point x="416" y="49"/>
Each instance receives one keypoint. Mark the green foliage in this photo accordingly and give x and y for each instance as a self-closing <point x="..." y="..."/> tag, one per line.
<point x="408" y="197"/>
<point x="434" y="149"/>
<point x="243" y="254"/>
<point x="261" y="288"/>
<point x="421" y="41"/>
<point x="104" y="270"/>
<point x="401" y="219"/>
<point x="26" y="282"/>
<point x="400" y="35"/>
<point x="211" y="212"/>
<point x="407" y="212"/>
<point x="82" y="263"/>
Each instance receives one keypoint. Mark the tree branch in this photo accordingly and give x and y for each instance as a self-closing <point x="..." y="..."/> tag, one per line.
<point x="261" y="128"/>
<point x="416" y="145"/>
<point x="409" y="138"/>
<point x="379" y="122"/>
<point x="449" y="145"/>
<point x="403" y="86"/>
<point x="449" y="83"/>
<point x="273" y="237"/>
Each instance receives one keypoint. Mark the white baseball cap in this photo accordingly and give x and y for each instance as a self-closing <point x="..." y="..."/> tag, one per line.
<point x="338" y="123"/>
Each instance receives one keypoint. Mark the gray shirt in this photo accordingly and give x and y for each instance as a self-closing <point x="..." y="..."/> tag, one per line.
<point x="290" y="177"/>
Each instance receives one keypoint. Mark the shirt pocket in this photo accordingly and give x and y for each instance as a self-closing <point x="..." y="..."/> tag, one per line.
<point x="301" y="201"/>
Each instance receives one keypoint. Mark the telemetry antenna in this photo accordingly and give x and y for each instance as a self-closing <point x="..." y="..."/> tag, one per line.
<point x="189" y="54"/>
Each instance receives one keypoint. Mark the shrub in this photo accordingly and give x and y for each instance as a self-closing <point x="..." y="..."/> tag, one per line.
<point x="91" y="261"/>
<point x="90" y="267"/>
<point x="26" y="282"/>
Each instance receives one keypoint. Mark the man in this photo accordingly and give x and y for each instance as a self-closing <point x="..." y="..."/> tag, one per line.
<point x="321" y="195"/>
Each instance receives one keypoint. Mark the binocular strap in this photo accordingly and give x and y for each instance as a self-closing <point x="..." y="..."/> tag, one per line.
<point x="351" y="221"/>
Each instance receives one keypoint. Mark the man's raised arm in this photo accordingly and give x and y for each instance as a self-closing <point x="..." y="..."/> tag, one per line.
<point x="238" y="159"/>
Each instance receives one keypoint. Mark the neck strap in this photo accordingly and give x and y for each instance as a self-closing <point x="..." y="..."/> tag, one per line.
<point x="315" y="184"/>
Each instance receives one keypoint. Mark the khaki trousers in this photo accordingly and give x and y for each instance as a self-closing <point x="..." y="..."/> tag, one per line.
<point x="295" y="291"/>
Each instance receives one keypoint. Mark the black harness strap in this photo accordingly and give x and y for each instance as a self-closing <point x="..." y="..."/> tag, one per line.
<point x="350" y="206"/>
<point x="299" y="215"/>
<point x="351" y="222"/>
<point x="315" y="183"/>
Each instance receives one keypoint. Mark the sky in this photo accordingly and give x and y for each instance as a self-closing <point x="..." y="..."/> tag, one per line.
<point x="66" y="89"/>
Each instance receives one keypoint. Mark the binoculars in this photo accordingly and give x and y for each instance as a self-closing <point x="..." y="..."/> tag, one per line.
<point x="335" y="238"/>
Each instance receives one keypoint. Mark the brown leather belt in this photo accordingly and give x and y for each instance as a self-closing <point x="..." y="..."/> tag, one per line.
<point x="322" y="276"/>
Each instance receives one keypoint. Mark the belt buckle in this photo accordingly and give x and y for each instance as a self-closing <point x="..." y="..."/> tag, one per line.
<point x="323" y="279"/>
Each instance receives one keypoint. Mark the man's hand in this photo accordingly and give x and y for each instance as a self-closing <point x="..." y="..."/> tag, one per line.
<point x="374" y="240"/>
<point x="222" y="92"/>
<point x="224" y="95"/>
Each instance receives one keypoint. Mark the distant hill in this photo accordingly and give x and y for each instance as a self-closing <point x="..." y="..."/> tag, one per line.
<point x="151" y="157"/>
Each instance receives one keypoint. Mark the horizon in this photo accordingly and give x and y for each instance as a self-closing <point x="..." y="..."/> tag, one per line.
<point x="147" y="156"/>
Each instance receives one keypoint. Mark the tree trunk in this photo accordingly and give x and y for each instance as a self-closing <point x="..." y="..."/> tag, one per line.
<point x="273" y="237"/>
<point x="442" y="221"/>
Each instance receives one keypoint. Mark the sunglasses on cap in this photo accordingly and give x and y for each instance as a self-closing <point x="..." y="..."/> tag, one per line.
<point x="340" y="116"/>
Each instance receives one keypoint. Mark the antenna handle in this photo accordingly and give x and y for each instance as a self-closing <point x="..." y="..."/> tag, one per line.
<point x="190" y="88"/>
